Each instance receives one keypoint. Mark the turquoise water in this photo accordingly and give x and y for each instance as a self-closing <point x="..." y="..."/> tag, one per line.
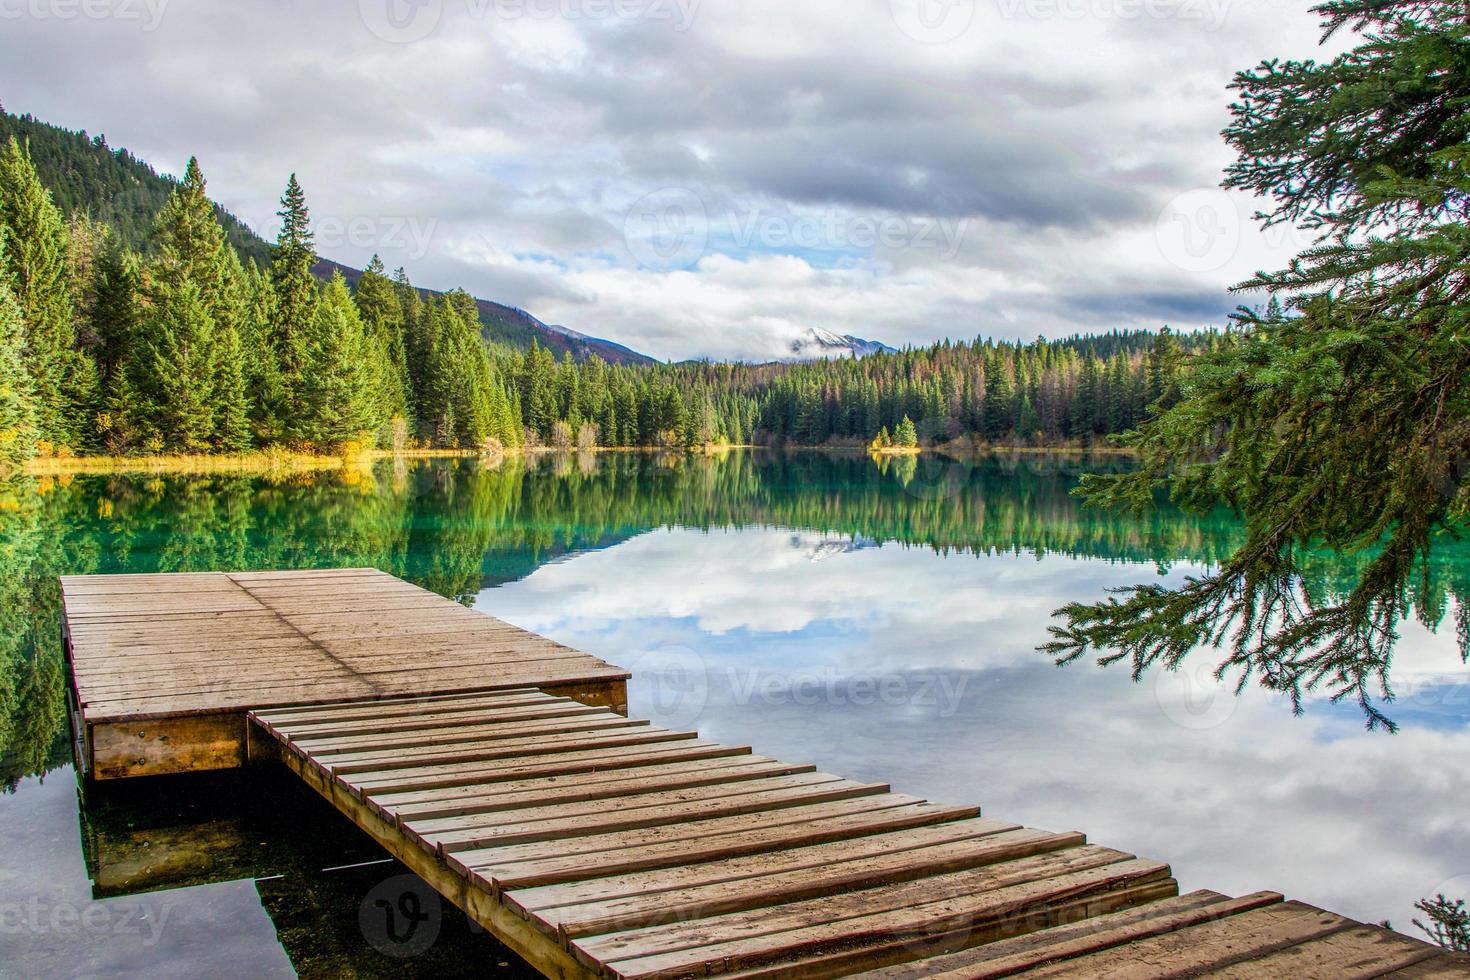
<point x="880" y="621"/>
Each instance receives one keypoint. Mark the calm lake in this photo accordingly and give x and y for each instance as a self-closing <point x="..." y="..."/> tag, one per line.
<point x="879" y="620"/>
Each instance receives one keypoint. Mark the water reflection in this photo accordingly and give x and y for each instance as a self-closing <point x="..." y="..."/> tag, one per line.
<point x="245" y="874"/>
<point x="880" y="620"/>
<point x="881" y="663"/>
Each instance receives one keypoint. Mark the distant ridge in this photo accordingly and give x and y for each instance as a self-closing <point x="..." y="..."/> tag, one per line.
<point x="516" y="328"/>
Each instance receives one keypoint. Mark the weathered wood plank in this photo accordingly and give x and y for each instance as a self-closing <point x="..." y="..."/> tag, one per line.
<point x="1243" y="938"/>
<point x="165" y="746"/>
<point x="638" y="818"/>
<point x="911" y="912"/>
<point x="500" y="766"/>
<point x="559" y="808"/>
<point x="682" y="745"/>
<point x="1358" y="952"/>
<point x="532" y="865"/>
<point x="152" y="647"/>
<point x="748" y="894"/>
<point x="529" y="900"/>
<point x="1009" y="957"/>
<point x="597" y="785"/>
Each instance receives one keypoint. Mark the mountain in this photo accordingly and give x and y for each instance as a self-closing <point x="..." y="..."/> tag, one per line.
<point x="85" y="174"/>
<point x="516" y="328"/>
<point x="816" y="343"/>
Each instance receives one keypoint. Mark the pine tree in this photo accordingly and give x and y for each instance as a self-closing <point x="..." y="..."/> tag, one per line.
<point x="115" y="310"/>
<point x="337" y="400"/>
<point x="1345" y="426"/>
<point x="1165" y="366"/>
<point x="231" y="424"/>
<point x="63" y="381"/>
<point x="1000" y="421"/>
<point x="17" y="400"/>
<point x="907" y="436"/>
<point x="188" y="242"/>
<point x="382" y="316"/>
<point x="263" y="385"/>
<point x="294" y="312"/>
<point x="176" y="371"/>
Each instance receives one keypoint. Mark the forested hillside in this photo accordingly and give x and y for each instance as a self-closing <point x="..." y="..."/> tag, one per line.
<point x="85" y="175"/>
<point x="188" y="335"/>
<point x="1075" y="390"/>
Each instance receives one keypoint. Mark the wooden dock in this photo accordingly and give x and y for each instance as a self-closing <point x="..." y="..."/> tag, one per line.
<point x="165" y="666"/>
<point x="596" y="845"/>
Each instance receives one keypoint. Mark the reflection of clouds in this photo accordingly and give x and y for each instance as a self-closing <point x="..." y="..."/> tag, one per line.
<point x="1239" y="800"/>
<point x="51" y="926"/>
<point x="768" y="582"/>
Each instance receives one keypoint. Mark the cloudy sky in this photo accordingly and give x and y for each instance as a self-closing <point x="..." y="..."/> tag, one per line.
<point x="709" y="177"/>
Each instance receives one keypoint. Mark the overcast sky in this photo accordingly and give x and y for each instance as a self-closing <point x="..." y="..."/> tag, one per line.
<point x="709" y="177"/>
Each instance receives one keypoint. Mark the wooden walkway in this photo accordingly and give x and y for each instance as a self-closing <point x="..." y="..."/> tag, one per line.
<point x="165" y="666"/>
<point x="596" y="845"/>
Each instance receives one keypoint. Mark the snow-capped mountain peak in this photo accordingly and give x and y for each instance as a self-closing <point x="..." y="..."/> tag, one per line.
<point x="815" y="343"/>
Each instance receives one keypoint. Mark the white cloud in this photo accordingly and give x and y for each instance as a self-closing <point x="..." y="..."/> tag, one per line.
<point x="1057" y="132"/>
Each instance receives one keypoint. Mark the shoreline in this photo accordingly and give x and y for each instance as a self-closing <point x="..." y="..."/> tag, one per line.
<point x="262" y="462"/>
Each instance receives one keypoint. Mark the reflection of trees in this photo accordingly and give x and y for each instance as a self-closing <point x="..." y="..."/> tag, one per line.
<point x="453" y="525"/>
<point x="35" y="547"/>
